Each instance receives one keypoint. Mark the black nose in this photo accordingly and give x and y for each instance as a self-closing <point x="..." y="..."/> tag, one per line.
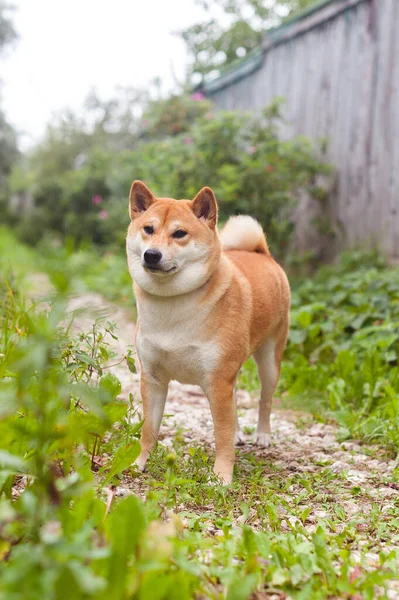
<point x="152" y="257"/>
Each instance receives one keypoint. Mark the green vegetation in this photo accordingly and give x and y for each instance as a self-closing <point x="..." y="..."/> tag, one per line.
<point x="341" y="360"/>
<point x="316" y="516"/>
<point x="74" y="270"/>
<point x="79" y="180"/>
<point x="66" y="441"/>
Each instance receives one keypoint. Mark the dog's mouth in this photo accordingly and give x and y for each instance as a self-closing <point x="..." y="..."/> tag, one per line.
<point x="160" y="270"/>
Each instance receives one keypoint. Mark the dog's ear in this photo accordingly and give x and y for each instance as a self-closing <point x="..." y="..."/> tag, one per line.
<point x="205" y="207"/>
<point x="140" y="199"/>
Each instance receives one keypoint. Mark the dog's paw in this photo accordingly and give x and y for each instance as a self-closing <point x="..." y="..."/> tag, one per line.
<point x="141" y="462"/>
<point x="224" y="478"/>
<point x="263" y="440"/>
<point x="223" y="470"/>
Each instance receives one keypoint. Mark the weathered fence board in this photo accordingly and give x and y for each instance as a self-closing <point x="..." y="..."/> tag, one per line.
<point x="338" y="70"/>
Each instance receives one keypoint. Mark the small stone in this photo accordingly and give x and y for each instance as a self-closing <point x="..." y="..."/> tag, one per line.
<point x="339" y="466"/>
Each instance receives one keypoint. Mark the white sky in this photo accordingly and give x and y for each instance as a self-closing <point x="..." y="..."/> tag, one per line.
<point x="68" y="47"/>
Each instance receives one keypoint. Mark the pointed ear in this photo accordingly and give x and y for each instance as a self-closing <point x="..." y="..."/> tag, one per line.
<point x="205" y="207"/>
<point x="140" y="199"/>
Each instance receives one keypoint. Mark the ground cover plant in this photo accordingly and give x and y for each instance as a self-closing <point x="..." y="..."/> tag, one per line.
<point x="342" y="356"/>
<point x="313" y="517"/>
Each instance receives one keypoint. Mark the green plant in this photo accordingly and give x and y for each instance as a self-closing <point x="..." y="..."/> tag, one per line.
<point x="341" y="359"/>
<point x="240" y="155"/>
<point x="67" y="444"/>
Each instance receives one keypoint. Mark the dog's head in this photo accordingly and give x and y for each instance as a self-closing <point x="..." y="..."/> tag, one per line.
<point x="172" y="245"/>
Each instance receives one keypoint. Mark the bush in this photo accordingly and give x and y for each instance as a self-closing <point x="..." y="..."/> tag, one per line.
<point x="240" y="155"/>
<point x="174" y="115"/>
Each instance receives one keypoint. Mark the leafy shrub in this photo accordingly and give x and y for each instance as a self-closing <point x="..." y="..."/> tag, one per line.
<point x="173" y="116"/>
<point x="242" y="158"/>
<point x="344" y="343"/>
<point x="343" y="348"/>
<point x="57" y="405"/>
<point x="83" y="193"/>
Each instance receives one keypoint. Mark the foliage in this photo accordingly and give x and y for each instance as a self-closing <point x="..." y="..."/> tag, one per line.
<point x="70" y="173"/>
<point x="58" y="410"/>
<point x="75" y="270"/>
<point x="343" y="349"/>
<point x="173" y="115"/>
<point x="86" y="269"/>
<point x="242" y="157"/>
<point x="80" y="189"/>
<point x="65" y="439"/>
<point x="232" y="29"/>
<point x="8" y="153"/>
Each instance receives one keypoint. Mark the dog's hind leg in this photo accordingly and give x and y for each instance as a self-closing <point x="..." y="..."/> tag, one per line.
<point x="268" y="359"/>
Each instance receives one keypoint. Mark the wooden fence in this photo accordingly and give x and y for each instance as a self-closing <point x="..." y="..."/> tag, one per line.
<point x="337" y="67"/>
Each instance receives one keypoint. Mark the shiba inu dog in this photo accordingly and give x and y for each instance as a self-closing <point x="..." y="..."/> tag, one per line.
<point x="205" y="302"/>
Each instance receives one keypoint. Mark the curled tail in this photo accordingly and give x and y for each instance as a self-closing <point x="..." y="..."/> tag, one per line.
<point x="244" y="233"/>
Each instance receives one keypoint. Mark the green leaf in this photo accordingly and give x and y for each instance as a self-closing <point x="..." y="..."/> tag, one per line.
<point x="86" y="359"/>
<point x="297" y="336"/>
<point x="122" y="459"/>
<point x="297" y="574"/>
<point x="124" y="527"/>
<point x="304" y="318"/>
<point x="279" y="577"/>
<point x="104" y="353"/>
<point x="10" y="462"/>
<point x="241" y="588"/>
<point x="131" y="364"/>
<point x="111" y="384"/>
<point x="305" y="514"/>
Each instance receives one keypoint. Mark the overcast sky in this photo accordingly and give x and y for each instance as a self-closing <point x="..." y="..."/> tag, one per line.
<point x="68" y="47"/>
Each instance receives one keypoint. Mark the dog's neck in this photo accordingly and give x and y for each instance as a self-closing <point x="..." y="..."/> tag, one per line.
<point x="219" y="275"/>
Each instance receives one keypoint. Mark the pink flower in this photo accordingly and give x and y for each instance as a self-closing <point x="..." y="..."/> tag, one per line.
<point x="198" y="96"/>
<point x="209" y="116"/>
<point x="97" y="199"/>
<point x="188" y="141"/>
<point x="103" y="214"/>
<point x="251" y="150"/>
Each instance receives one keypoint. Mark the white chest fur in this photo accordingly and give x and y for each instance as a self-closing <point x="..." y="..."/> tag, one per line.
<point x="173" y="339"/>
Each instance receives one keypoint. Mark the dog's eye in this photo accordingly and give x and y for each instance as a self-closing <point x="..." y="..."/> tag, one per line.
<point x="179" y="234"/>
<point x="149" y="229"/>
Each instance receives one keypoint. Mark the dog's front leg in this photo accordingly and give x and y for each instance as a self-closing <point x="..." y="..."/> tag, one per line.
<point x="221" y="398"/>
<point x="153" y="396"/>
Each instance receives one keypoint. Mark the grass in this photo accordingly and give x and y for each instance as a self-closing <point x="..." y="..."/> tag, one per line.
<point x="70" y="269"/>
<point x="294" y="524"/>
